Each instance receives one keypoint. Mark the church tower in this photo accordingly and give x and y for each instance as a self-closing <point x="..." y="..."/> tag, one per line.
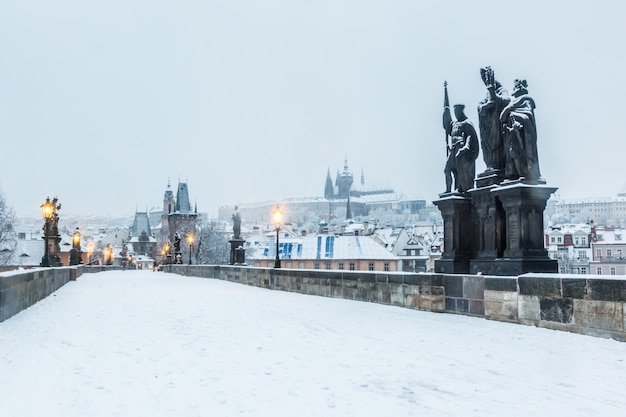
<point x="329" y="190"/>
<point x="168" y="207"/>
<point x="344" y="181"/>
<point x="182" y="219"/>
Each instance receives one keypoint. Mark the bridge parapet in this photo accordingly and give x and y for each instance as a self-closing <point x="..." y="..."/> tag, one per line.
<point x="21" y="289"/>
<point x="585" y="304"/>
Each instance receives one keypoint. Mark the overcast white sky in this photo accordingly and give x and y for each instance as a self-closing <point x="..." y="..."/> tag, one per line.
<point x="102" y="101"/>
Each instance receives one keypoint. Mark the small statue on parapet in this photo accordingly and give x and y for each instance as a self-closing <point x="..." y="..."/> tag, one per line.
<point x="236" y="224"/>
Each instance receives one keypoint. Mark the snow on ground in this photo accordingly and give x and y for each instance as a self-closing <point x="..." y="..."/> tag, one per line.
<point x="139" y="343"/>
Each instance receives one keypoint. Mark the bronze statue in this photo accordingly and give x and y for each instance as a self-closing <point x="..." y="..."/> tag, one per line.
<point x="462" y="148"/>
<point x="508" y="133"/>
<point x="489" y="110"/>
<point x="176" y="243"/>
<point x="520" y="135"/>
<point x="236" y="224"/>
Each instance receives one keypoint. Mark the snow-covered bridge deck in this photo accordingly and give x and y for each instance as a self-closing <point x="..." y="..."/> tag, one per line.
<point x="138" y="343"/>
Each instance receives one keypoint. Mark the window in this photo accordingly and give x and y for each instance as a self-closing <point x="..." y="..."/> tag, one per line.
<point x="386" y="267"/>
<point x="341" y="266"/>
<point x="583" y="271"/>
<point x="352" y="266"/>
<point x="288" y="265"/>
<point x="583" y="241"/>
<point x="270" y="264"/>
<point x="371" y="266"/>
<point x="316" y="265"/>
<point x="577" y="241"/>
<point x="329" y="265"/>
<point x="552" y="240"/>
<point x="608" y="252"/>
<point x="582" y="254"/>
<point x="612" y="270"/>
<point x="599" y="253"/>
<point x="559" y="240"/>
<point x="301" y="265"/>
<point x="599" y="270"/>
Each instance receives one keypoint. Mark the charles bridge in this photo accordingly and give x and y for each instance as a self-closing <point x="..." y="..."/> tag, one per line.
<point x="494" y="264"/>
<point x="585" y="304"/>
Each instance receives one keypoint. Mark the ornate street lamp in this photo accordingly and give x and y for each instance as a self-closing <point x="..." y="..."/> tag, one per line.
<point x="90" y="248"/>
<point x="190" y="241"/>
<point x="76" y="239"/>
<point x="278" y="215"/>
<point x="168" y="255"/>
<point x="108" y="255"/>
<point x="48" y="210"/>
<point x="75" y="253"/>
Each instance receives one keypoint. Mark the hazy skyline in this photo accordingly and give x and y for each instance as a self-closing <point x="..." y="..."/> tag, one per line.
<point x="102" y="102"/>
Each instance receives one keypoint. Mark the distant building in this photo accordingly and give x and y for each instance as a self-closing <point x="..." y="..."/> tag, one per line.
<point x="178" y="215"/>
<point x="407" y="247"/>
<point x="570" y="245"/>
<point x="140" y="238"/>
<point x="26" y="252"/>
<point x="587" y="249"/>
<point x="353" y="253"/>
<point x="343" y="186"/>
<point x="362" y="201"/>
<point x="608" y="251"/>
<point x="602" y="211"/>
<point x="356" y="246"/>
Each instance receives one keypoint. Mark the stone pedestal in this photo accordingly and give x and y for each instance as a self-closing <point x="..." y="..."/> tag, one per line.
<point x="488" y="178"/>
<point x="495" y="230"/>
<point x="55" y="250"/>
<point x="456" y="211"/>
<point x="237" y="252"/>
<point x="525" y="235"/>
<point x="488" y="231"/>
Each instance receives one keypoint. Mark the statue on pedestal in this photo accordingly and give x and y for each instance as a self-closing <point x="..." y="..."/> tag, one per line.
<point x="236" y="224"/>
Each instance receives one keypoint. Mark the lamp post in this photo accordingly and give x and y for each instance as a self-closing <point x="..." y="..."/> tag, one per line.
<point x="108" y="255"/>
<point x="190" y="241"/>
<point x="168" y="254"/>
<point x="277" y="218"/>
<point x="75" y="253"/>
<point x="48" y="210"/>
<point x="90" y="248"/>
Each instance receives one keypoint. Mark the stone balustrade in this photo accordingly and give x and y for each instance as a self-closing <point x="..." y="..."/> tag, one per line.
<point x="585" y="304"/>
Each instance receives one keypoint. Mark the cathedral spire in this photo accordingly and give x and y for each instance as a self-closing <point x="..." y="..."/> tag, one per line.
<point x="329" y="191"/>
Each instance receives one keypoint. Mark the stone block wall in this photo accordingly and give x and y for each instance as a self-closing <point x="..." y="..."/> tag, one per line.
<point x="419" y="291"/>
<point x="20" y="290"/>
<point x="576" y="303"/>
<point x="583" y="304"/>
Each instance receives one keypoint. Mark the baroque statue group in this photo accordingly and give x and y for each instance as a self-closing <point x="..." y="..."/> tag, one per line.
<point x="493" y="221"/>
<point x="508" y="137"/>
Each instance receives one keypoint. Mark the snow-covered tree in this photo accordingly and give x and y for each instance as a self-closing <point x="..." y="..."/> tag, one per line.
<point x="8" y="240"/>
<point x="212" y="246"/>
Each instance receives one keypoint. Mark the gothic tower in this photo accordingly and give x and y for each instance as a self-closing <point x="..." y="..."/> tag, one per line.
<point x="344" y="181"/>
<point x="329" y="190"/>
<point x="182" y="219"/>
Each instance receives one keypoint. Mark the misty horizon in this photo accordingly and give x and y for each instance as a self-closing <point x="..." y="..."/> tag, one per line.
<point x="102" y="103"/>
